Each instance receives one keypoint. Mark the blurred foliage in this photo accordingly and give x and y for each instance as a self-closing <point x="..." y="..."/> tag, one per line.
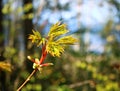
<point x="59" y="88"/>
<point x="32" y="87"/>
<point x="5" y="66"/>
<point x="69" y="72"/>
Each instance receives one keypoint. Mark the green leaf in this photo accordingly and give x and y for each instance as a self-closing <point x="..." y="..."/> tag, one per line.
<point x="67" y="40"/>
<point x="54" y="49"/>
<point x="54" y="43"/>
<point x="57" y="30"/>
<point x="36" y="38"/>
<point x="42" y="41"/>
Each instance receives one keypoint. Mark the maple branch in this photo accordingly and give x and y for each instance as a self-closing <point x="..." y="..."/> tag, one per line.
<point x="29" y="77"/>
<point x="54" y="48"/>
<point x="44" y="53"/>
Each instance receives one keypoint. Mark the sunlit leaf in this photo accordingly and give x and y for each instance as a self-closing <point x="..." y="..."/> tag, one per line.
<point x="36" y="38"/>
<point x="5" y="66"/>
<point x="54" y="49"/>
<point x="55" y="42"/>
<point x="67" y="40"/>
<point x="41" y="42"/>
<point x="57" y="30"/>
<point x="55" y="46"/>
<point x="36" y="33"/>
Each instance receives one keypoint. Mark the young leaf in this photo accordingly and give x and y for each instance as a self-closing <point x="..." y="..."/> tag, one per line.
<point x="54" y="49"/>
<point x="53" y="44"/>
<point x="36" y="38"/>
<point x="57" y="30"/>
<point x="56" y="46"/>
<point x="36" y="33"/>
<point x="67" y="40"/>
<point x="42" y="41"/>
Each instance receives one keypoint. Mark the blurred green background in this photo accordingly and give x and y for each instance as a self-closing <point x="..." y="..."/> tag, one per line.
<point x="91" y="65"/>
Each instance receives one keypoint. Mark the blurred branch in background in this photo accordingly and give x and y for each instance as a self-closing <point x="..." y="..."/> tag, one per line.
<point x="78" y="84"/>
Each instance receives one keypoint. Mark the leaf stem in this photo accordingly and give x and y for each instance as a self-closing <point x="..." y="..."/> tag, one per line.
<point x="29" y="77"/>
<point x="44" y="53"/>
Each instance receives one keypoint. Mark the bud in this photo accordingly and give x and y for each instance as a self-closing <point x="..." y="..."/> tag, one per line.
<point x="29" y="57"/>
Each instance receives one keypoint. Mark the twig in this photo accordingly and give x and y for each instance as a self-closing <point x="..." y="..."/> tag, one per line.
<point x="79" y="84"/>
<point x="29" y="77"/>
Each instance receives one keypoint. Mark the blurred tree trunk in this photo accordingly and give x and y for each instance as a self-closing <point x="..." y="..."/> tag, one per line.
<point x="27" y="22"/>
<point x="18" y="25"/>
<point x="1" y="31"/>
<point x="6" y="24"/>
<point x="13" y="38"/>
<point x="19" y="39"/>
<point x="2" y="74"/>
